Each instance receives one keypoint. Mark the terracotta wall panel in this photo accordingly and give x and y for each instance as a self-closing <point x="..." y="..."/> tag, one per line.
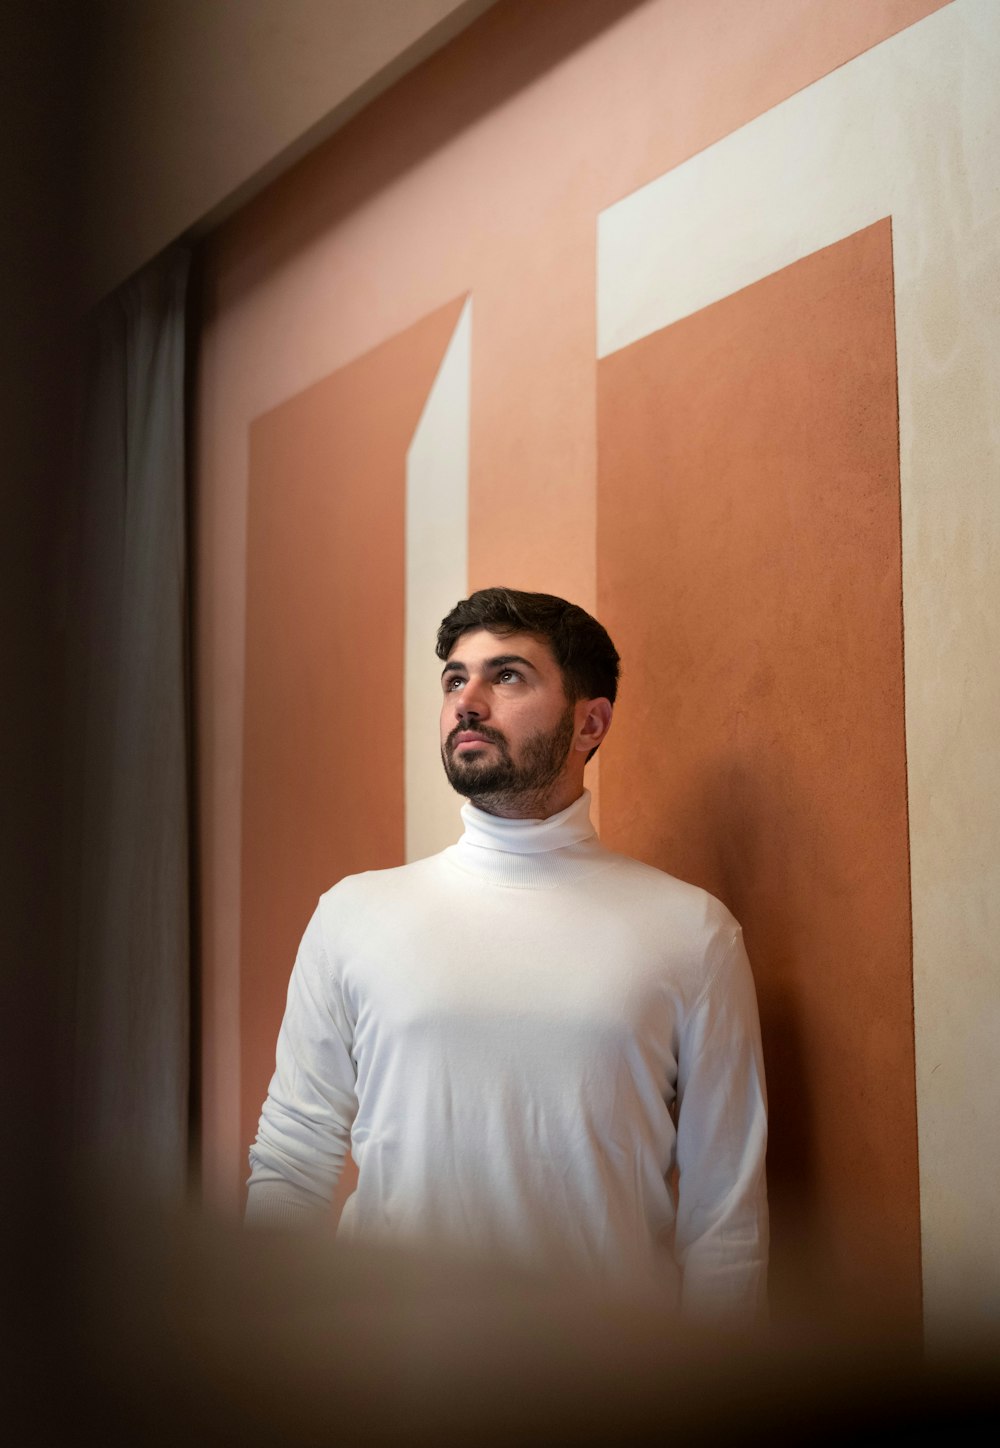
<point x="749" y="570"/>
<point x="324" y="659"/>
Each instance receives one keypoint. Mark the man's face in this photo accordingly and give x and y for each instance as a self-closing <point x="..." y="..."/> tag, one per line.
<point x="506" y="725"/>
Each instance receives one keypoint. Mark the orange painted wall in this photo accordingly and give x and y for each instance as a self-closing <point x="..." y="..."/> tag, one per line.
<point x="482" y="172"/>
<point x="749" y="568"/>
<point x="323" y="744"/>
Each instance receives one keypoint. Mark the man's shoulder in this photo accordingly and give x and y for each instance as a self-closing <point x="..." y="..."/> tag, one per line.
<point x="649" y="888"/>
<point x="368" y="887"/>
<point x="362" y="906"/>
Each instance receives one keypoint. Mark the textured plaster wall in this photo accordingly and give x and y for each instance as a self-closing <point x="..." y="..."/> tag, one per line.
<point x="749" y="567"/>
<point x="494" y="171"/>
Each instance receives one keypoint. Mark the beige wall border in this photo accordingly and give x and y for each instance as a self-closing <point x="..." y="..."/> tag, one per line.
<point x="437" y="554"/>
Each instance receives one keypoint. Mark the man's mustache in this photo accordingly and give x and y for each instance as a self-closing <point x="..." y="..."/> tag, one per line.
<point x="493" y="735"/>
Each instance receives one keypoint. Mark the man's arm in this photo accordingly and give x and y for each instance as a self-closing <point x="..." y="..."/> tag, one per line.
<point x="722" y="1224"/>
<point x="305" y="1124"/>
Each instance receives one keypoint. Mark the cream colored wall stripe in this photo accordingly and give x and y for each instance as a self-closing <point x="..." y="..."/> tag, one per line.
<point x="437" y="512"/>
<point x="911" y="130"/>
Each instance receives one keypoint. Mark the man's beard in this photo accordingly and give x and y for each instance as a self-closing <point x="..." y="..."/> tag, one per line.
<point x="497" y="782"/>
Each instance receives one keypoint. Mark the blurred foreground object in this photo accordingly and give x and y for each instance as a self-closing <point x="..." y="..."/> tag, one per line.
<point x="185" y="1331"/>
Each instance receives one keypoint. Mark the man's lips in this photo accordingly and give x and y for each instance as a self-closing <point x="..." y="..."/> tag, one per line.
<point x="470" y="739"/>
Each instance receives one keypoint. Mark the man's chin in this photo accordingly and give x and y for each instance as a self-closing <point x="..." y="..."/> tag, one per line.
<point x="469" y="778"/>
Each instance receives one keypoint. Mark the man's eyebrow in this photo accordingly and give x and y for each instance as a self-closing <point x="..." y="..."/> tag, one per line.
<point x="502" y="659"/>
<point x="455" y="666"/>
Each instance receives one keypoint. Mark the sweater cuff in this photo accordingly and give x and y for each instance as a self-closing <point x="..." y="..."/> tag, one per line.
<point x="281" y="1205"/>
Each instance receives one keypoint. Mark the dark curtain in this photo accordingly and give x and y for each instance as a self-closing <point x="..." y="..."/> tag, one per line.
<point x="128" y="808"/>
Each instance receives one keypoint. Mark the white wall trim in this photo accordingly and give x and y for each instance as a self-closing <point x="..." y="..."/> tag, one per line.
<point x="437" y="566"/>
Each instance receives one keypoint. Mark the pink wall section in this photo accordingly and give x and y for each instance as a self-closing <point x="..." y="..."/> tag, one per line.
<point x="483" y="172"/>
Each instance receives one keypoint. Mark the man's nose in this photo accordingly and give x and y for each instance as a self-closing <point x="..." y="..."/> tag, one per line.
<point x="472" y="702"/>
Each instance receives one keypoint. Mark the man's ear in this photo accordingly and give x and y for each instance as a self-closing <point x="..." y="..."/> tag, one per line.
<point x="593" y="720"/>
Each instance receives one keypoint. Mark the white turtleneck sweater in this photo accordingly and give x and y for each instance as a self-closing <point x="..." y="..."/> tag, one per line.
<point x="519" y="1040"/>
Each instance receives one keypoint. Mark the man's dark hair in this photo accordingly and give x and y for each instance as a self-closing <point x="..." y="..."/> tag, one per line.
<point x="580" y="645"/>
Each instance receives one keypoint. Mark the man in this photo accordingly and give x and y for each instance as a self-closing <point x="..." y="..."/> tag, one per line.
<point x="533" y="1047"/>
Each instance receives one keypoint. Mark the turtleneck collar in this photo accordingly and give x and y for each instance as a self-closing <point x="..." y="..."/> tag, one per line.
<point x="529" y="837"/>
<point x="530" y="854"/>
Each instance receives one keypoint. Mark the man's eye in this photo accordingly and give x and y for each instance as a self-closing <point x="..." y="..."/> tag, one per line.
<point x="506" y="675"/>
<point x="451" y="683"/>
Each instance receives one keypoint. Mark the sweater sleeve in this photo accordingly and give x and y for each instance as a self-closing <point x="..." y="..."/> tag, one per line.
<point x="722" y="1222"/>
<point x="305" y="1124"/>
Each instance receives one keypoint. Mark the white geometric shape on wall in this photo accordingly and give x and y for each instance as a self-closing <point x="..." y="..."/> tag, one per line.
<point x="910" y="130"/>
<point x="437" y="551"/>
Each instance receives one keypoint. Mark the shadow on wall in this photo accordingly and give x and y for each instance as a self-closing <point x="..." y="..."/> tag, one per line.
<point x="724" y="819"/>
<point x="511" y="46"/>
<point x="839" y="1250"/>
<point x="733" y="808"/>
